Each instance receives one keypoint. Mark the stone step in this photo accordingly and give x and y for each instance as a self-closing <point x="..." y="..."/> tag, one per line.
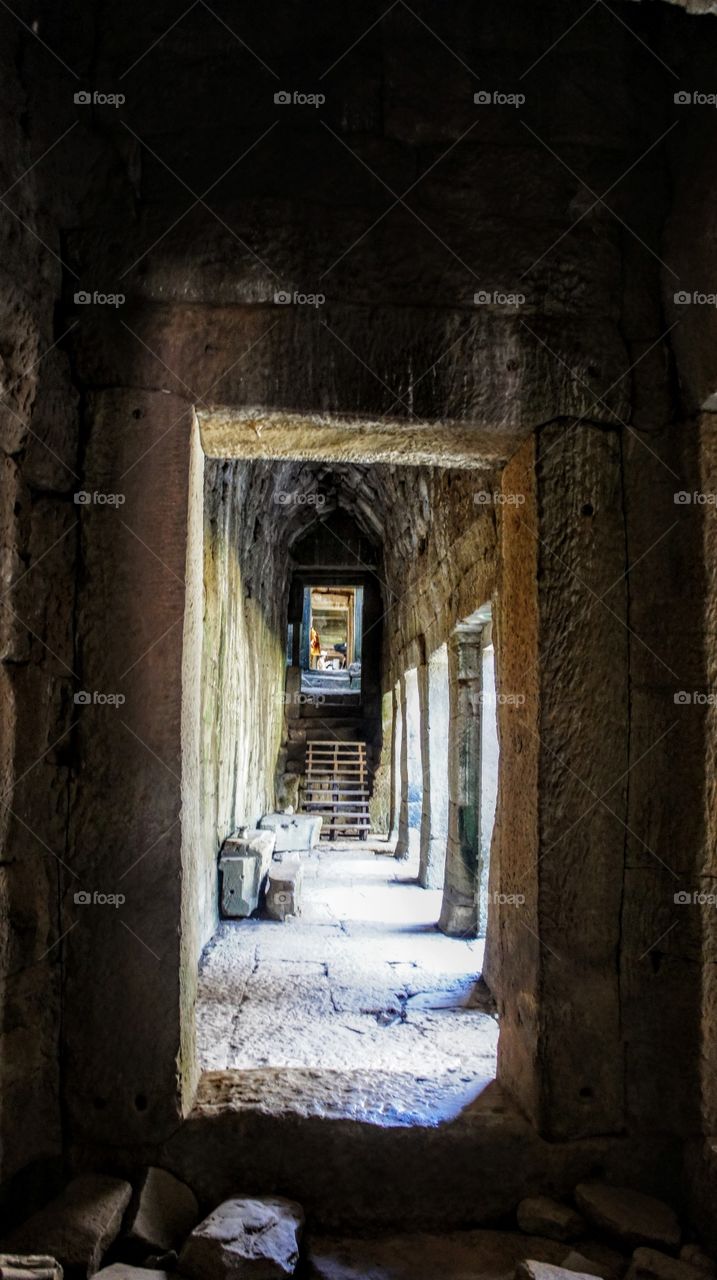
<point x="347" y="1139"/>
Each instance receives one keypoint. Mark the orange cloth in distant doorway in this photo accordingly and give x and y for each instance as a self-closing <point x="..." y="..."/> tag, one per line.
<point x="314" y="647"/>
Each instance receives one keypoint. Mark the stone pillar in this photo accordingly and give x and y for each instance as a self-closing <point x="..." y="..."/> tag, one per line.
<point x="555" y="922"/>
<point x="460" y="910"/>
<point x="396" y="754"/>
<point x="489" y="768"/>
<point x="434" y="698"/>
<point x="403" y="843"/>
<point x="409" y="827"/>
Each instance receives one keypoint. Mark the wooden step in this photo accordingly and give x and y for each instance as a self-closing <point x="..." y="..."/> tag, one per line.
<point x="330" y="805"/>
<point x="330" y="765"/>
<point x="335" y="787"/>
<point x="332" y="742"/>
<point x="350" y="791"/>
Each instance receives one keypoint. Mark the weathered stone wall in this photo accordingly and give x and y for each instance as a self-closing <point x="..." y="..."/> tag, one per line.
<point x="690" y="252"/>
<point x="244" y="645"/>
<point x="440" y="558"/>
<point x="39" y="444"/>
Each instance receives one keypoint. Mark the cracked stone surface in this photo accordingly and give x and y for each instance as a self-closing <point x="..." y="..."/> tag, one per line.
<point x="361" y="981"/>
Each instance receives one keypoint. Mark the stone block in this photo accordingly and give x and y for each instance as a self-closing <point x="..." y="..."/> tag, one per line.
<point x="531" y="1270"/>
<point x="650" y="1264"/>
<point x="123" y="1271"/>
<point x="596" y="1259"/>
<point x="243" y="864"/>
<point x="541" y="1216"/>
<point x="29" y="1266"/>
<point x="283" y="889"/>
<point x="164" y="1213"/>
<point x="251" y="840"/>
<point x="241" y="885"/>
<point x="257" y="1237"/>
<point x="697" y="1257"/>
<point x="294" y="831"/>
<point x="627" y="1215"/>
<point x="78" y="1227"/>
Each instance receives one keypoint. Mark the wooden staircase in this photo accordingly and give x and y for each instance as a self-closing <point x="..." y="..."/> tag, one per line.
<point x="336" y="788"/>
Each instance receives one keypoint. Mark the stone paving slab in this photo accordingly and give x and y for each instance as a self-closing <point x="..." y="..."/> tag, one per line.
<point x="361" y="981"/>
<point x="465" y="1255"/>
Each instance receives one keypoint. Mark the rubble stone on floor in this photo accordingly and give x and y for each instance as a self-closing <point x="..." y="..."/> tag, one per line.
<point x="459" y="1255"/>
<point x="245" y="1237"/>
<point x="541" y="1216"/>
<point x="529" y="1269"/>
<point x="596" y="1259"/>
<point x="693" y="1254"/>
<point x="651" y="1264"/>
<point x="77" y="1227"/>
<point x="124" y="1271"/>
<point x="629" y="1216"/>
<point x="166" y="1210"/>
<point x="28" y="1266"/>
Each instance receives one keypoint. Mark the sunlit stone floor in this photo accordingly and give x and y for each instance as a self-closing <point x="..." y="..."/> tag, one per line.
<point x="362" y="981"/>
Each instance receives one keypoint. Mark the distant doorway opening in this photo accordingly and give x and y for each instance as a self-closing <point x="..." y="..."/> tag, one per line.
<point x="331" y="640"/>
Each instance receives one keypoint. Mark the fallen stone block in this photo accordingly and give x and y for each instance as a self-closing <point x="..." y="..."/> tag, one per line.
<point x="78" y="1227"/>
<point x="697" y="1257"/>
<point x="161" y="1261"/>
<point x="294" y="831"/>
<point x="283" y="889"/>
<point x="532" y="1270"/>
<point x="123" y="1271"/>
<point x="650" y="1264"/>
<point x="596" y="1260"/>
<point x="29" y="1266"/>
<point x="541" y="1216"/>
<point x="245" y="1237"/>
<point x="243" y="864"/>
<point x="251" y="840"/>
<point x="627" y="1215"/>
<point x="164" y="1212"/>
